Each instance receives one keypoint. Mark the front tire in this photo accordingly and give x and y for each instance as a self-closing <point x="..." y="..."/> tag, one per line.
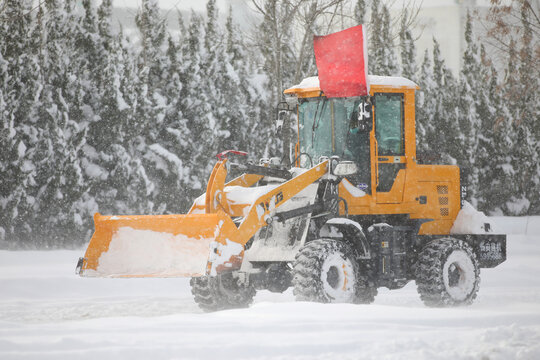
<point x="447" y="273"/>
<point x="214" y="293"/>
<point x="328" y="271"/>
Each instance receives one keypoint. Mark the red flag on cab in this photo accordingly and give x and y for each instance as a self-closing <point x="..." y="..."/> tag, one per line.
<point x="342" y="62"/>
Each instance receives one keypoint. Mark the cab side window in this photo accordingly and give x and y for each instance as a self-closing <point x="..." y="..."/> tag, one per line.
<point x="389" y="123"/>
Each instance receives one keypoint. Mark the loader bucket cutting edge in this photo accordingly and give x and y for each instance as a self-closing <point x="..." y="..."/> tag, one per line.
<point x="154" y="245"/>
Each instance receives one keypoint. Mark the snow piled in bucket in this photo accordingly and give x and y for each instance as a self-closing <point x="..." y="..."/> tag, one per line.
<point x="471" y="221"/>
<point x="147" y="252"/>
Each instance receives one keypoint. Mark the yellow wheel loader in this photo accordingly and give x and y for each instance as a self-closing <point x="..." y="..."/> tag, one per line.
<point x="357" y="211"/>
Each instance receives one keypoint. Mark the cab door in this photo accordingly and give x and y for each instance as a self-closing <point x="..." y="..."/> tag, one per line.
<point x="389" y="147"/>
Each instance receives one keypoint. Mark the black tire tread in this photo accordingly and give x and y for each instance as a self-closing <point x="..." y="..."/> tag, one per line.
<point x="429" y="273"/>
<point x="212" y="294"/>
<point x="307" y="272"/>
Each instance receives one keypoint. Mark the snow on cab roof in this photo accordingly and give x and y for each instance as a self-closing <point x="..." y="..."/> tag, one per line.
<point x="312" y="83"/>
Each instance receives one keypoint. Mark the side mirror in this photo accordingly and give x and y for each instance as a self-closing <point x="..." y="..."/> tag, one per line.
<point x="279" y="121"/>
<point x="345" y="168"/>
<point x="282" y="111"/>
<point x="279" y="126"/>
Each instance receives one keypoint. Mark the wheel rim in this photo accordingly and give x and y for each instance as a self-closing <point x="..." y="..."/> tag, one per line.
<point x="333" y="277"/>
<point x="338" y="279"/>
<point x="459" y="275"/>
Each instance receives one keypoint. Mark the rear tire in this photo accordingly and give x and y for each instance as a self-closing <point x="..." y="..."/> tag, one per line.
<point x="328" y="271"/>
<point x="447" y="273"/>
<point x="214" y="293"/>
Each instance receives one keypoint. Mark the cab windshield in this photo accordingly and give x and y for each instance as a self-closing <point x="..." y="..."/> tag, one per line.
<point x="328" y="127"/>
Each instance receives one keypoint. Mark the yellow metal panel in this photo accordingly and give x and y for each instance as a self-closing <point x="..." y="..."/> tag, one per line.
<point x="395" y="195"/>
<point x="436" y="227"/>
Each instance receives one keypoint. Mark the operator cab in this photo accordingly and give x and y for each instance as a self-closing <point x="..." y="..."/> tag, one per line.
<point x="336" y="127"/>
<point x="368" y="130"/>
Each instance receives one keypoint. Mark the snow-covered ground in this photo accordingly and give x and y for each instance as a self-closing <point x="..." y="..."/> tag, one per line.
<point x="47" y="312"/>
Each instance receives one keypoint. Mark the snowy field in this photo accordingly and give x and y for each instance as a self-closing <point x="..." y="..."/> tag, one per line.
<point x="47" y="312"/>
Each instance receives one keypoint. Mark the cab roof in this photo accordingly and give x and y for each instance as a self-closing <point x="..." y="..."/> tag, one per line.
<point x="309" y="87"/>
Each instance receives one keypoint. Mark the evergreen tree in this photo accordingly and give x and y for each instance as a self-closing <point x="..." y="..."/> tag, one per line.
<point x="436" y="116"/>
<point x="275" y="43"/>
<point x="249" y="102"/>
<point x="444" y="114"/>
<point x="225" y="79"/>
<point x="494" y="160"/>
<point x="382" y="55"/>
<point x="16" y="134"/>
<point x="527" y="118"/>
<point x="176" y="138"/>
<point x="376" y="40"/>
<point x="408" y="50"/>
<point x="150" y="106"/>
<point x="213" y="74"/>
<point x="451" y="113"/>
<point x="104" y="13"/>
<point x="56" y="138"/>
<point x="360" y="9"/>
<point x="424" y="104"/>
<point x="468" y="103"/>
<point x="195" y="103"/>
<point x="436" y="111"/>
<point x="151" y="28"/>
<point x="521" y="94"/>
<point x="129" y="174"/>
<point x="181" y="26"/>
<point x="390" y="63"/>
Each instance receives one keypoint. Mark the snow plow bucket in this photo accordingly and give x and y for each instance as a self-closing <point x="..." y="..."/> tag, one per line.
<point x="156" y="245"/>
